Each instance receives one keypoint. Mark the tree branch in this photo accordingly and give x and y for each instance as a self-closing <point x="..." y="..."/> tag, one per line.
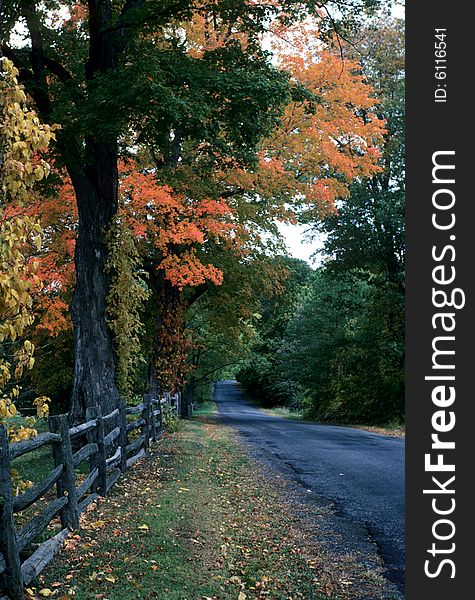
<point x="229" y="364"/>
<point x="41" y="92"/>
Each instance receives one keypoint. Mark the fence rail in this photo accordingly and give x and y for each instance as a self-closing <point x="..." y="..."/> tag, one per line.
<point x="111" y="443"/>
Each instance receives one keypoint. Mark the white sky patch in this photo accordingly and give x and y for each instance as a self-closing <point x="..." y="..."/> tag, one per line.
<point x="298" y="244"/>
<point x="19" y="35"/>
<point x="398" y="11"/>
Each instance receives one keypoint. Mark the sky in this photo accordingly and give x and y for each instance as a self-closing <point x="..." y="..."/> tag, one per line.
<point x="298" y="244"/>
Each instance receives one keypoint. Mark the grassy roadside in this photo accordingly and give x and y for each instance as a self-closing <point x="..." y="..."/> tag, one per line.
<point x="387" y="429"/>
<point x="196" y="520"/>
<point x="282" y="411"/>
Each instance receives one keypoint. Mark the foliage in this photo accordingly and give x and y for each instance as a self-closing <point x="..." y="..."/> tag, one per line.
<point x="341" y="352"/>
<point x="170" y="420"/>
<point x="21" y="138"/>
<point x="326" y="135"/>
<point x="127" y="294"/>
<point x="259" y="373"/>
<point x="194" y="129"/>
<point x="171" y="227"/>
<point x="365" y="247"/>
<point x="345" y="348"/>
<point x="367" y="232"/>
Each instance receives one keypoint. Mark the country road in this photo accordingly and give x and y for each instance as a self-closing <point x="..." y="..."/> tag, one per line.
<point x="361" y="473"/>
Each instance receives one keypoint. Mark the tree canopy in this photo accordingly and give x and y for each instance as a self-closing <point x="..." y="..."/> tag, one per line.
<point x="184" y="132"/>
<point x="340" y="356"/>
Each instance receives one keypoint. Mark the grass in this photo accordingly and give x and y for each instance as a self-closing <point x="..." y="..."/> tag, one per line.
<point x="392" y="429"/>
<point x="196" y="520"/>
<point x="283" y="411"/>
<point x="199" y="520"/>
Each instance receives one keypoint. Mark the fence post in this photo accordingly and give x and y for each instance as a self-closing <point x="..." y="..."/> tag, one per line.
<point x="98" y="437"/>
<point x="63" y="453"/>
<point x="191" y="398"/>
<point x="160" y="416"/>
<point x="153" y="429"/>
<point x="11" y="578"/>
<point x="123" y="435"/>
<point x="146" y="426"/>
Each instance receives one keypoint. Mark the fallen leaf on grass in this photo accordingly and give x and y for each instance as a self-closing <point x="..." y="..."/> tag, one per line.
<point x="46" y="592"/>
<point x="143" y="527"/>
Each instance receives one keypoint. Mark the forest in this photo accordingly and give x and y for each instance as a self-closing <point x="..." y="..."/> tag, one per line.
<point x="332" y="343"/>
<point x="149" y="152"/>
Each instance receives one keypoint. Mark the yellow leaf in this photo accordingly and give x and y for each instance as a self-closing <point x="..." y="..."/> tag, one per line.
<point x="98" y="524"/>
<point x="242" y="596"/>
<point x="46" y="592"/>
<point x="143" y="527"/>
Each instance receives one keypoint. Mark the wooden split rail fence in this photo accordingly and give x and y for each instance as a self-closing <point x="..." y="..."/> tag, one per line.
<point x="110" y="443"/>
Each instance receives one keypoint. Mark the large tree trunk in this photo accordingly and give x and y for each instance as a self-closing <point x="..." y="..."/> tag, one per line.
<point x="187" y="398"/>
<point x="167" y="361"/>
<point x="92" y="166"/>
<point x="96" y="195"/>
<point x="96" y="187"/>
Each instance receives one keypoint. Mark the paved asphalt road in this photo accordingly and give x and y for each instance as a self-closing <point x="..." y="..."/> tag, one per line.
<point x="362" y="473"/>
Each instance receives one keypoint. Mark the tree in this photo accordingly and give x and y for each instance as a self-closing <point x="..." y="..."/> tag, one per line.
<point x="172" y="234"/>
<point x="342" y="352"/>
<point x="321" y="143"/>
<point x="79" y="75"/>
<point x="367" y="232"/>
<point x="355" y="340"/>
<point x="79" y="70"/>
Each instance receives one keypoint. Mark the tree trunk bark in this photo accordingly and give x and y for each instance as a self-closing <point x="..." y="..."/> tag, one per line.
<point x="187" y="398"/>
<point x="92" y="165"/>
<point x="167" y="356"/>
<point x="97" y="200"/>
<point x="154" y="387"/>
<point x="96" y="186"/>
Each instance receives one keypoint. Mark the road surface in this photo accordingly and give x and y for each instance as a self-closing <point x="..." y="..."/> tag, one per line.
<point x="362" y="473"/>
